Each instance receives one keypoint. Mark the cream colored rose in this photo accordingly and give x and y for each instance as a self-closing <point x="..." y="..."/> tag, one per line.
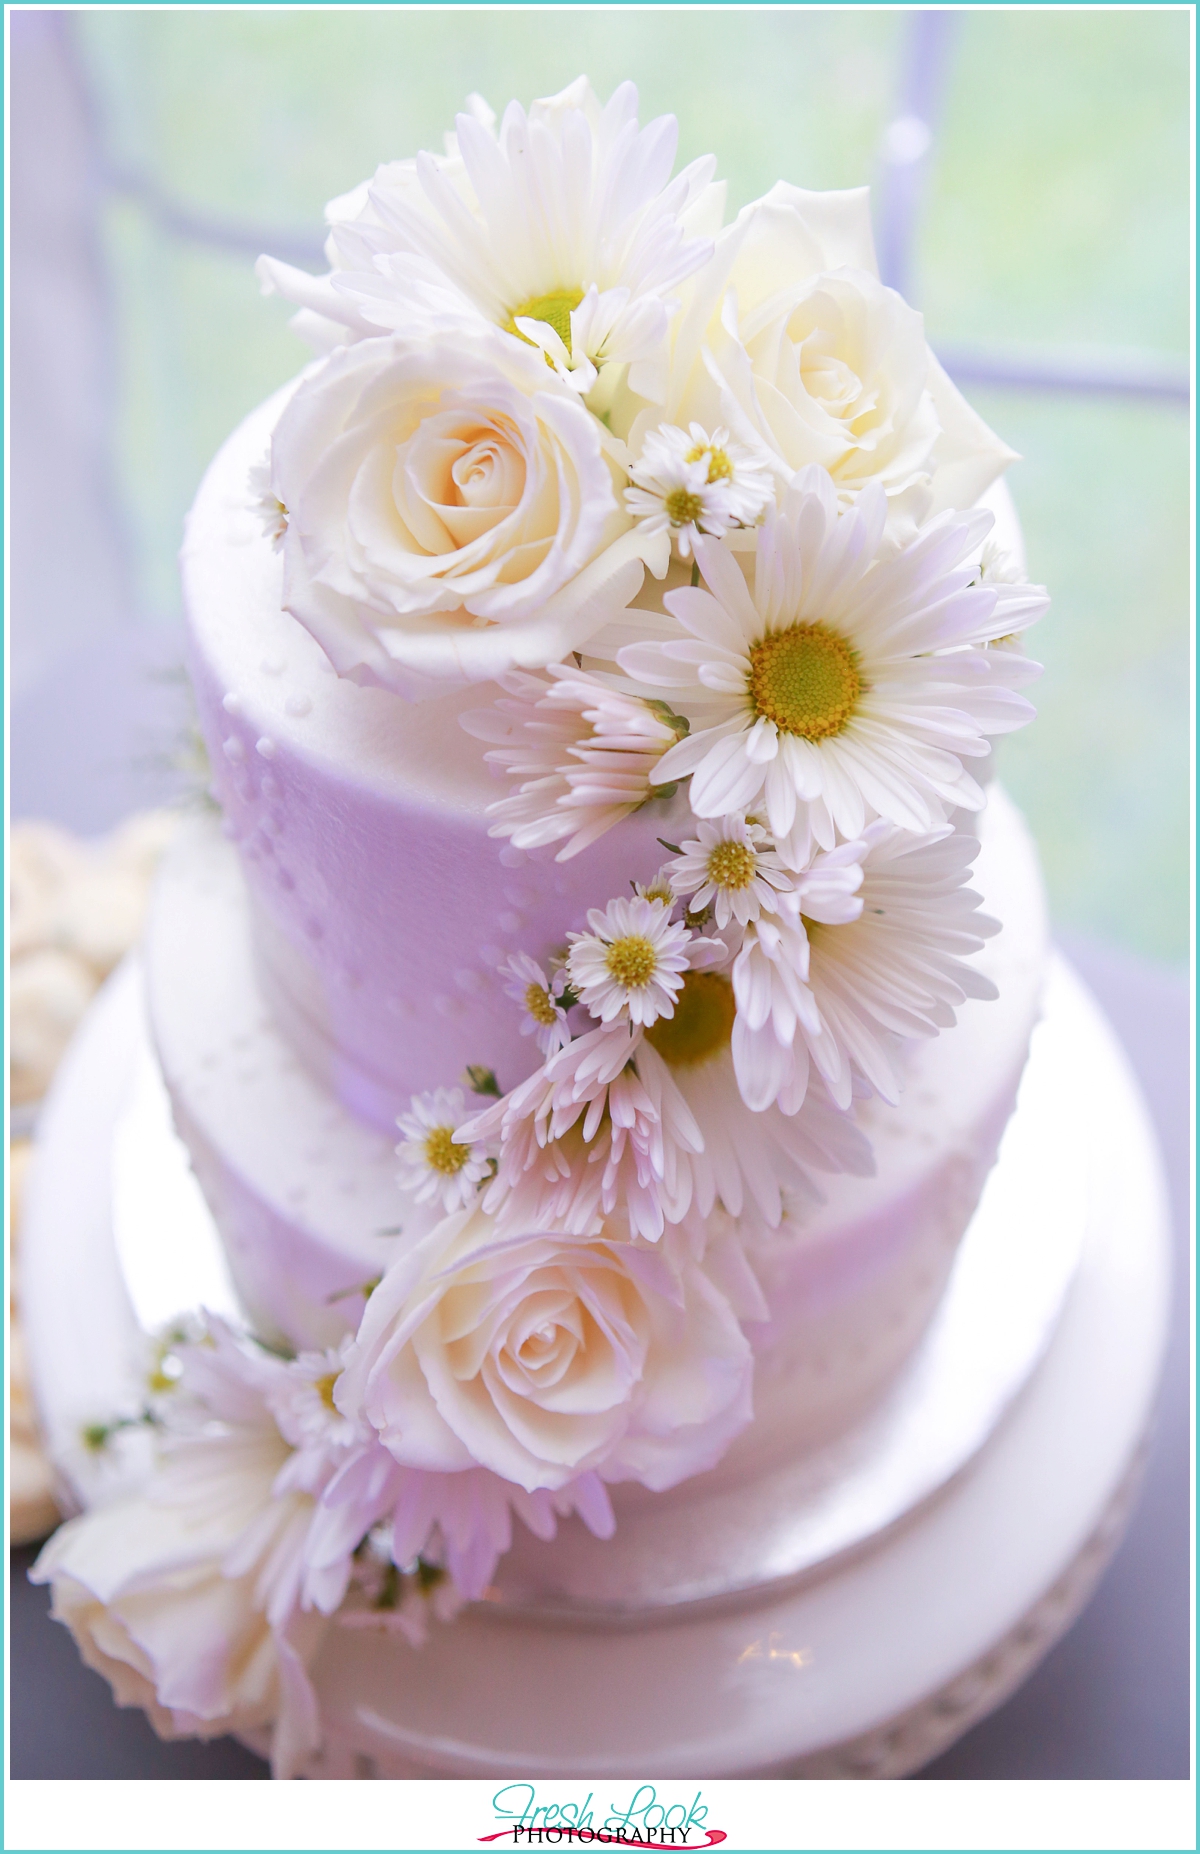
<point x="148" y="1591"/>
<point x="545" y="1356"/>
<point x="790" y="340"/>
<point x="452" y="512"/>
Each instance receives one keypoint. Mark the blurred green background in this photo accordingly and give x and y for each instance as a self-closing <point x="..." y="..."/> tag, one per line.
<point x="1055" y="213"/>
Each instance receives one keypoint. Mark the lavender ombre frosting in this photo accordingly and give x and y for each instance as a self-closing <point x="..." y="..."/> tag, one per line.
<point x="381" y="906"/>
<point x="304" y="1191"/>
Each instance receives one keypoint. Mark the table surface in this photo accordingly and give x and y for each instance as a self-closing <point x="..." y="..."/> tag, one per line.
<point x="1110" y="1701"/>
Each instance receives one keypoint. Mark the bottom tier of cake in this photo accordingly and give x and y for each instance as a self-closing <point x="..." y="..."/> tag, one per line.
<point x="811" y="1659"/>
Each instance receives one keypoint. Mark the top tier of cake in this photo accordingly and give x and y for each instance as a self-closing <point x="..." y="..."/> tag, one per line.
<point x="381" y="905"/>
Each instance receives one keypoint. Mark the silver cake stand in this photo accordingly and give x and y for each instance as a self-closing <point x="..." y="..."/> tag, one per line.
<point x="845" y="1616"/>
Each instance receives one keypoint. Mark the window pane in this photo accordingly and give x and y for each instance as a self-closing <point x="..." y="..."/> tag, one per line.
<point x="1057" y="213"/>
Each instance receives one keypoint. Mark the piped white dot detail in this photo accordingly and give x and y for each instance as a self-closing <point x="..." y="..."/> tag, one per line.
<point x="298" y="705"/>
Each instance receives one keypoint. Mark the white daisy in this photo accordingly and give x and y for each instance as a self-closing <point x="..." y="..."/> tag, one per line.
<point x="731" y="865"/>
<point x="586" y="1137"/>
<point x="469" y="1515"/>
<point x="632" y="962"/>
<point x="385" y="1597"/>
<point x="244" y="1407"/>
<point x="563" y="228"/>
<point x="998" y="566"/>
<point x="844" y="991"/>
<point x="301" y="1402"/>
<point x="266" y="504"/>
<point x="583" y="751"/>
<point x="658" y="888"/>
<point x="461" y="1520"/>
<point x="687" y="483"/>
<point x="758" y="1167"/>
<point x="778" y="1025"/>
<point x="543" y="1016"/>
<point x="851" y="681"/>
<point x="433" y="1162"/>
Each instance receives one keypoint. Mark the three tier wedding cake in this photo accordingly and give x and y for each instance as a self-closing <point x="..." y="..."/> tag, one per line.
<point x="598" y="650"/>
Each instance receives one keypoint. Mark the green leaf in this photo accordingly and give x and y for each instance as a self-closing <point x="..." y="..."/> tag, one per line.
<point x="679" y="724"/>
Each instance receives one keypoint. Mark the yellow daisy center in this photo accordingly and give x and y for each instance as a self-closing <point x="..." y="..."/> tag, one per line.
<point x="632" y="960"/>
<point x="720" y="469"/>
<point x="702" y="1024"/>
<point x="731" y="865"/>
<point x="682" y="507"/>
<point x="442" y="1152"/>
<point x="539" y="1005"/>
<point x="659" y="892"/>
<point x="805" y="680"/>
<point x="325" y="1387"/>
<point x="555" y="308"/>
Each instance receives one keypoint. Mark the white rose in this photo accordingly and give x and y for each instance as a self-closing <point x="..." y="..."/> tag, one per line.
<point x="545" y="1356"/>
<point x="452" y="512"/>
<point x="790" y="340"/>
<point x="142" y="1588"/>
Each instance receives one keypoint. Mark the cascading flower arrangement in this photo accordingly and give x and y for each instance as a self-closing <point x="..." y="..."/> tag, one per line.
<point x="700" y="501"/>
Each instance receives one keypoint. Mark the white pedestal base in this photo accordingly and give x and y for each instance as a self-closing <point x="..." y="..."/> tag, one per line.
<point x="866" y="1663"/>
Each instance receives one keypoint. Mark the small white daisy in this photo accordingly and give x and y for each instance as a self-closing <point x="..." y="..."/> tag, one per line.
<point x="997" y="566"/>
<point x="632" y="962"/>
<point x="543" y="1015"/>
<point x="856" y="973"/>
<point x="686" y="483"/>
<point x="433" y="1162"/>
<point x="584" y="752"/>
<point x="659" y="888"/>
<point x="266" y="504"/>
<point x="460" y="1520"/>
<point x="396" y="1598"/>
<point x="732" y="865"/>
<point x="302" y="1404"/>
<point x="848" y="680"/>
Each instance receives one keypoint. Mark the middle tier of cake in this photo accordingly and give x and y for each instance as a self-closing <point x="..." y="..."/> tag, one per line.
<point x="306" y="1198"/>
